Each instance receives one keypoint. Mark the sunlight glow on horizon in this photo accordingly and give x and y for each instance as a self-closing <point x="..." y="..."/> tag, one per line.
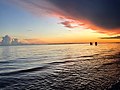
<point x="30" y="28"/>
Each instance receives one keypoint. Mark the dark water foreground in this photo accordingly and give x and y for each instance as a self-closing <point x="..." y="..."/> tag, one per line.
<point x="96" y="71"/>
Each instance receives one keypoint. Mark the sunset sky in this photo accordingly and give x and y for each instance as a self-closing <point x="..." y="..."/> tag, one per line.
<point x="60" y="21"/>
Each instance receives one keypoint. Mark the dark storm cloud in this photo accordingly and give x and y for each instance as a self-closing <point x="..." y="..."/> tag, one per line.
<point x="102" y="16"/>
<point x="115" y="37"/>
<point x="102" y="13"/>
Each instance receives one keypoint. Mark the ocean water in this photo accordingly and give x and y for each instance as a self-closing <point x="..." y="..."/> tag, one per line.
<point x="59" y="67"/>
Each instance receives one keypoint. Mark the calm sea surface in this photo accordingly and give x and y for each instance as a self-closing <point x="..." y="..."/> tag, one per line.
<point x="59" y="67"/>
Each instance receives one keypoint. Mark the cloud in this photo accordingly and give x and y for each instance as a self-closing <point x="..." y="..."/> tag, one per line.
<point x="70" y="24"/>
<point x="100" y="15"/>
<point x="114" y="37"/>
<point x="104" y="14"/>
<point x="33" y="41"/>
<point x="37" y="7"/>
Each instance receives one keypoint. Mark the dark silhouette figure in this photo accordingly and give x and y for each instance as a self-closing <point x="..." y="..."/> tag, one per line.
<point x="91" y="43"/>
<point x="96" y="43"/>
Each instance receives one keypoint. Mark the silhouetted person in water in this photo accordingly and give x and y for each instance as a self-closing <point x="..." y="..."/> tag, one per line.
<point x="96" y="43"/>
<point x="91" y="43"/>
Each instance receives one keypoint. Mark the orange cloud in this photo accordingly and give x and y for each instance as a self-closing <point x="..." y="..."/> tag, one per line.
<point x="33" y="41"/>
<point x="113" y="37"/>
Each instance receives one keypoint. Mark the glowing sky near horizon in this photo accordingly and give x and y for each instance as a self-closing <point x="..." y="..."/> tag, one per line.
<point x="46" y="21"/>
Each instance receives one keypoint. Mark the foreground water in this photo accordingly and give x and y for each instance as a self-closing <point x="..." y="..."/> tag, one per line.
<point x="59" y="67"/>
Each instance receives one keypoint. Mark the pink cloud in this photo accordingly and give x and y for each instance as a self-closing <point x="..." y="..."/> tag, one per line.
<point x="69" y="24"/>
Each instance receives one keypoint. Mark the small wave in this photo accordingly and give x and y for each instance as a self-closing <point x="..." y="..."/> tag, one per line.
<point x="62" y="62"/>
<point x="114" y="62"/>
<point x="108" y="63"/>
<point x="87" y="56"/>
<point x="115" y="56"/>
<point x="24" y="71"/>
<point x="22" y="58"/>
<point x="67" y="58"/>
<point x="4" y="62"/>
